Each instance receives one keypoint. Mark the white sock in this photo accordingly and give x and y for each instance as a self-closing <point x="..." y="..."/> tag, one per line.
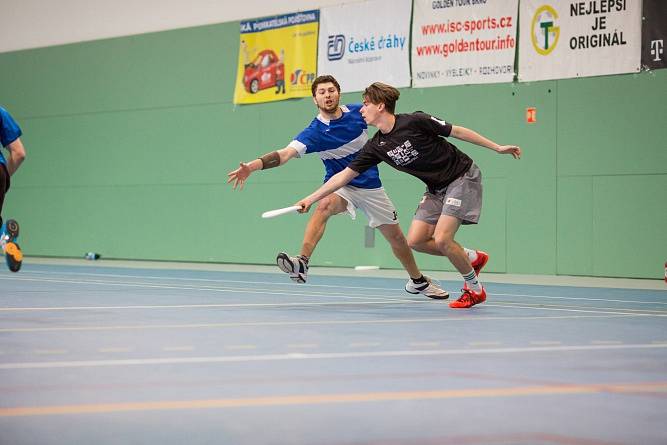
<point x="472" y="281"/>
<point x="472" y="254"/>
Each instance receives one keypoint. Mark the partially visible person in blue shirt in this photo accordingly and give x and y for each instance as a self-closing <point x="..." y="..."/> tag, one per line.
<point x="10" y="138"/>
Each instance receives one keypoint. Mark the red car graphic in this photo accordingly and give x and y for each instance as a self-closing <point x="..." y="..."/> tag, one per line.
<point x="263" y="72"/>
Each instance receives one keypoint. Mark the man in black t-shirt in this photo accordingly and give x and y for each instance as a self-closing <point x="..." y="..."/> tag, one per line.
<point x="414" y="143"/>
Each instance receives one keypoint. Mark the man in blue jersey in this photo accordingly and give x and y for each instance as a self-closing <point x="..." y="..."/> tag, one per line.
<point x="337" y="134"/>
<point x="10" y="138"/>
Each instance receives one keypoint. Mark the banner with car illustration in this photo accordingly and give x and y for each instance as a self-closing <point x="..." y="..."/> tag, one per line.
<point x="277" y="57"/>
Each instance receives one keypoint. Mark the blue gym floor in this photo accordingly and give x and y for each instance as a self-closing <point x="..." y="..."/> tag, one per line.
<point x="107" y="355"/>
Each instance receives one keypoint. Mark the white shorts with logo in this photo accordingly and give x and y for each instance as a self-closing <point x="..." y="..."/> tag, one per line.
<point x="461" y="199"/>
<point x="375" y="204"/>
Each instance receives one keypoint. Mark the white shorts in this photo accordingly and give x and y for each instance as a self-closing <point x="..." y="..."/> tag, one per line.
<point x="375" y="204"/>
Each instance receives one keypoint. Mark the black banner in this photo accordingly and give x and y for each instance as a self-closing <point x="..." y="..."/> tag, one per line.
<point x="654" y="34"/>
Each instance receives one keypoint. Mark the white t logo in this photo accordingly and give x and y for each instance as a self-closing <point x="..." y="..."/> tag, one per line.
<point x="656" y="50"/>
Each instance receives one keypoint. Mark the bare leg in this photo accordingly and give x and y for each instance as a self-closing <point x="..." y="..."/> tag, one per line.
<point x="420" y="238"/>
<point x="444" y="241"/>
<point x="331" y="205"/>
<point x="439" y="240"/>
<point x="399" y="245"/>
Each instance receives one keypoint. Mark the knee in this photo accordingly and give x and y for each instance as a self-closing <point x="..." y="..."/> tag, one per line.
<point x="325" y="209"/>
<point x="444" y="245"/>
<point x="397" y="240"/>
<point x="416" y="243"/>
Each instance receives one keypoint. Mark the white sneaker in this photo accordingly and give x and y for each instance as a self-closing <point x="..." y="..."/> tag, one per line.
<point x="429" y="288"/>
<point x="295" y="266"/>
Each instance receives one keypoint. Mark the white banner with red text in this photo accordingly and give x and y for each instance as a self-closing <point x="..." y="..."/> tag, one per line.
<point x="458" y="42"/>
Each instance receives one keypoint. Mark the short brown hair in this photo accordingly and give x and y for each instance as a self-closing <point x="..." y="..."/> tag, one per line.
<point x="324" y="79"/>
<point x="381" y="93"/>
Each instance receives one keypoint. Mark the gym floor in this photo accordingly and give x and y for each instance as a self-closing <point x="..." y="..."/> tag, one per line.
<point x="111" y="352"/>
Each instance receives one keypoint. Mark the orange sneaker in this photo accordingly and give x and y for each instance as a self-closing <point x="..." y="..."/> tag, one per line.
<point x="13" y="256"/>
<point x="480" y="262"/>
<point x="468" y="299"/>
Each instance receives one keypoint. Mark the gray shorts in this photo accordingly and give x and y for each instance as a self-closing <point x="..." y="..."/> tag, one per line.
<point x="461" y="199"/>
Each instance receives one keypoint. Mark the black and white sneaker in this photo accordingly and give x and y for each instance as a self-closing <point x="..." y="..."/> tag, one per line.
<point x="428" y="288"/>
<point x="295" y="266"/>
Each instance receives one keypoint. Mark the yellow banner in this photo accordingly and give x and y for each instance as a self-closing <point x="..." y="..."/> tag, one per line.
<point x="277" y="58"/>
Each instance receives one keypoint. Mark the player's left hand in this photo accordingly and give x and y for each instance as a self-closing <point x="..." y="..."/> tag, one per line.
<point x="513" y="150"/>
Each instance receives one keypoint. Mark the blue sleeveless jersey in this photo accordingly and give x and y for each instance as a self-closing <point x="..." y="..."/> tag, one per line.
<point x="9" y="131"/>
<point x="337" y="142"/>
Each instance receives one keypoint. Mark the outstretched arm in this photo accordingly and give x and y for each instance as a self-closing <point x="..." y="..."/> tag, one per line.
<point x="269" y="160"/>
<point x="16" y="156"/>
<point x="334" y="183"/>
<point x="465" y="134"/>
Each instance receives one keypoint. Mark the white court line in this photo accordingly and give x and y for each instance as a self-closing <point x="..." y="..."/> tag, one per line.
<point x="320" y="356"/>
<point x="378" y="298"/>
<point x="310" y="285"/>
<point x="114" y="350"/>
<point x="565" y="306"/>
<point x="178" y="348"/>
<point x="608" y="300"/>
<point x="238" y="347"/>
<point x="220" y="305"/>
<point x="586" y="309"/>
<point x="306" y="323"/>
<point x="299" y="293"/>
<point x="545" y="343"/>
<point x="594" y="309"/>
<point x="214" y="280"/>
<point x="606" y="342"/>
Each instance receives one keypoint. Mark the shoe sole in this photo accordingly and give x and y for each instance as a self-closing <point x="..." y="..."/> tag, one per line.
<point x="434" y="297"/>
<point x="438" y="297"/>
<point x="286" y="265"/>
<point x="14" y="256"/>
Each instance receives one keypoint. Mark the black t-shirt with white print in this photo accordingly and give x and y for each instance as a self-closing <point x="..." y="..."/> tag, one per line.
<point x="415" y="146"/>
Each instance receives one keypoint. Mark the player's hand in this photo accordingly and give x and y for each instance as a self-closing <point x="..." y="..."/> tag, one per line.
<point x="510" y="149"/>
<point x="239" y="176"/>
<point x="305" y="205"/>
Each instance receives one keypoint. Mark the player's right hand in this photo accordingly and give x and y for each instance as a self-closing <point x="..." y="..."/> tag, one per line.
<point x="305" y="205"/>
<point x="239" y="176"/>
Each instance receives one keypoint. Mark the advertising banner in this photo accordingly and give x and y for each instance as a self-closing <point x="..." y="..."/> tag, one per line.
<point x="277" y="57"/>
<point x="463" y="41"/>
<point x="654" y="34"/>
<point x="368" y="42"/>
<point x="563" y="39"/>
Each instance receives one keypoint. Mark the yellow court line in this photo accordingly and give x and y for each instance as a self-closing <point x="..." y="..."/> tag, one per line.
<point x="633" y="388"/>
